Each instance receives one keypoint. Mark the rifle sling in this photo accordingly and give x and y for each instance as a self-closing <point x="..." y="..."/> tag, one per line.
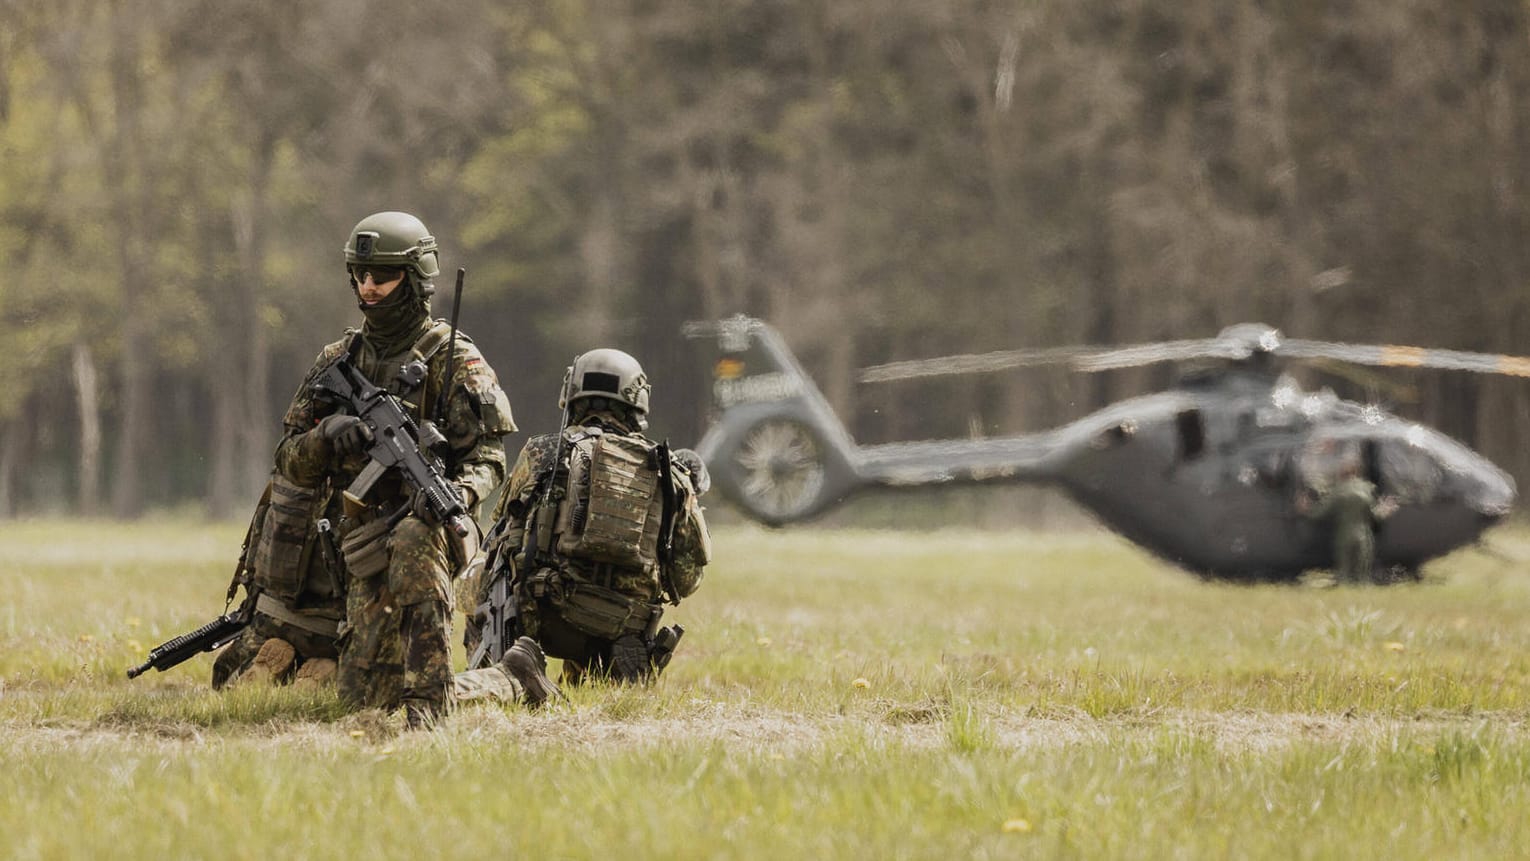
<point x="244" y="564"/>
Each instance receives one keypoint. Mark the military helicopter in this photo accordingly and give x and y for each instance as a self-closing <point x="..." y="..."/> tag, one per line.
<point x="1209" y="475"/>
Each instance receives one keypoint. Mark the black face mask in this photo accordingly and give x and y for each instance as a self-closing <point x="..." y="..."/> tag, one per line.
<point x="392" y="323"/>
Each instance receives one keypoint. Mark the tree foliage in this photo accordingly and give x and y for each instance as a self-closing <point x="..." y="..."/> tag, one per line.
<point x="881" y="180"/>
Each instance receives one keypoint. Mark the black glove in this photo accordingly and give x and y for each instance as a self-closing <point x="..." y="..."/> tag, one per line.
<point x="701" y="480"/>
<point x="346" y="435"/>
<point x="420" y="507"/>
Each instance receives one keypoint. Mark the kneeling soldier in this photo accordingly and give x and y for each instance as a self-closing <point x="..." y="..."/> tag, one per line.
<point x="292" y="569"/>
<point x="597" y="527"/>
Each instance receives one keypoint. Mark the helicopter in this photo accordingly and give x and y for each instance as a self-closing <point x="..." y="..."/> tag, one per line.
<point x="1211" y="474"/>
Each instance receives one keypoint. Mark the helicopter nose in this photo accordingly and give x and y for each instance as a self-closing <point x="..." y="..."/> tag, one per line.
<point x="1493" y="495"/>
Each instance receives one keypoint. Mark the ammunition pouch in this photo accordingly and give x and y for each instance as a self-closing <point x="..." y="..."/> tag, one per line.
<point x="365" y="549"/>
<point x="285" y="547"/>
<point x="598" y="611"/>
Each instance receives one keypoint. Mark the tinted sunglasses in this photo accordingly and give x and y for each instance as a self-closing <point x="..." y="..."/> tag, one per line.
<point x="380" y="274"/>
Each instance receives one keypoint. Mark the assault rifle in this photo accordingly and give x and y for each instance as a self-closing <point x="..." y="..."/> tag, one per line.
<point x="210" y="637"/>
<point x="499" y="615"/>
<point x="665" y="465"/>
<point x="221" y="631"/>
<point x="397" y="444"/>
<point x="498" y="619"/>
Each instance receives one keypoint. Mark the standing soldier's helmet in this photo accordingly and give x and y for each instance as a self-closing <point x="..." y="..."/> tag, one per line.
<point x="394" y="239"/>
<point x="606" y="373"/>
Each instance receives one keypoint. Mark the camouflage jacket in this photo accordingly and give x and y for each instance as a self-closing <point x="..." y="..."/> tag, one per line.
<point x="477" y="415"/>
<point x="535" y="467"/>
<point x="1351" y="506"/>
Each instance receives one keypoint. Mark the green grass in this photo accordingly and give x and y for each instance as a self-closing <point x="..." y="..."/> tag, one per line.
<point x="855" y="694"/>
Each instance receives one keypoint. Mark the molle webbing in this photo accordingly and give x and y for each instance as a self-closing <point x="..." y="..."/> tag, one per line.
<point x="423" y="349"/>
<point x="613" y="508"/>
<point x="285" y="547"/>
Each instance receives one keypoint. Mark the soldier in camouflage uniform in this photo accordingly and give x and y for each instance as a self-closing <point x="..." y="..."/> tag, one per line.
<point x="395" y="641"/>
<point x="1352" y="510"/>
<point x="298" y="594"/>
<point x="601" y="618"/>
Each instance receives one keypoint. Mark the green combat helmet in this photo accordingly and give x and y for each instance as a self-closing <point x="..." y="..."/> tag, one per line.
<point x="606" y="373"/>
<point x="395" y="239"/>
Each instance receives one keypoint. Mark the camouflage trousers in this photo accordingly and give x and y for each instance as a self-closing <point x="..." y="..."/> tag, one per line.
<point x="236" y="657"/>
<point x="1354" y="552"/>
<point x="488" y="683"/>
<point x="396" y="643"/>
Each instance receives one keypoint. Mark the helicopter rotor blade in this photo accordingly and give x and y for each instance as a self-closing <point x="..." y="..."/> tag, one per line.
<point x="971" y="363"/>
<point x="1164" y="351"/>
<point x="1088" y="359"/>
<point x="1376" y="383"/>
<point x="1242" y="345"/>
<point x="1394" y="356"/>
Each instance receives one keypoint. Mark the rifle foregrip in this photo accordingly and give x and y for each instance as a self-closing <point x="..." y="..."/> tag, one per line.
<point x="179" y="649"/>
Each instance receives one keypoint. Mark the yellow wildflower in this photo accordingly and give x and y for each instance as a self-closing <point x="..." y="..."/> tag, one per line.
<point x="1017" y="826"/>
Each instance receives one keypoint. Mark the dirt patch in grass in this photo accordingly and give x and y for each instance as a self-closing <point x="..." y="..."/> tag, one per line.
<point x="753" y="731"/>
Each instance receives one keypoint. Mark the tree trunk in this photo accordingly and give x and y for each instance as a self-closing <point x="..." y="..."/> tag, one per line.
<point x="251" y="420"/>
<point x="12" y="441"/>
<point x="87" y="395"/>
<point x="123" y="157"/>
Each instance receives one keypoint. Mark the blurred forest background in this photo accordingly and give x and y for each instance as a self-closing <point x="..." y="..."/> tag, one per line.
<point x="881" y="180"/>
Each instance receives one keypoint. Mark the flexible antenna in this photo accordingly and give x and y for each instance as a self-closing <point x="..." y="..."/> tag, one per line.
<point x="451" y="347"/>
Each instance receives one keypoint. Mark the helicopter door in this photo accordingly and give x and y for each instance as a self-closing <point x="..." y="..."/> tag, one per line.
<point x="1370" y="461"/>
<point x="1192" y="433"/>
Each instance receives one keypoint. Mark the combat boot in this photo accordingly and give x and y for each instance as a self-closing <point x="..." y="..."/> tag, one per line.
<point x="272" y="664"/>
<point x="421" y="714"/>
<point x="314" y="673"/>
<point x="525" y="663"/>
<point x="630" y="662"/>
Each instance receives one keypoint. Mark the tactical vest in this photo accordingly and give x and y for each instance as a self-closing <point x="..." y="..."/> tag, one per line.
<point x="397" y="377"/>
<point x="286" y="556"/>
<point x="596" y="534"/>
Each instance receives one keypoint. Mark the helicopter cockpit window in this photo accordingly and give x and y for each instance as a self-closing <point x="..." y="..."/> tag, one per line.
<point x="1192" y="434"/>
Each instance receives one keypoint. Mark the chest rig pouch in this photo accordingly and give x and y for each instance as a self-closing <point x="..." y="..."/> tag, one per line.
<point x="285" y="550"/>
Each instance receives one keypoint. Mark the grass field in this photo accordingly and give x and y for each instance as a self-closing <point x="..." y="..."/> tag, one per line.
<point x="839" y="694"/>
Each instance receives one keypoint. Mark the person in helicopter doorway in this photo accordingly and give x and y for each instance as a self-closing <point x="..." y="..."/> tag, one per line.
<point x="1352" y="511"/>
<point x="597" y="527"/>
